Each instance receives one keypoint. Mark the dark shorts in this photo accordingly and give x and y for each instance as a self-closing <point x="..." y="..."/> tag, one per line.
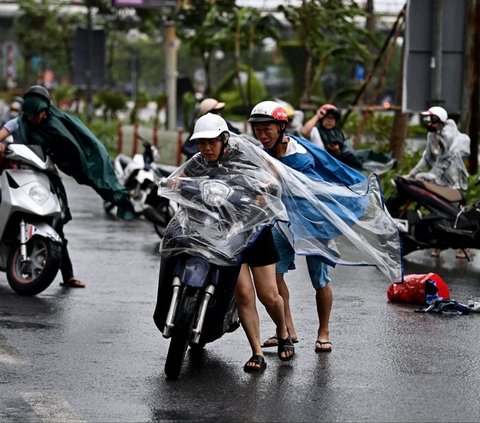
<point x="263" y="252"/>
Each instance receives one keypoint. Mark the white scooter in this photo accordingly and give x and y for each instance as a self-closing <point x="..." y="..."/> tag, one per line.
<point x="30" y="248"/>
<point x="140" y="175"/>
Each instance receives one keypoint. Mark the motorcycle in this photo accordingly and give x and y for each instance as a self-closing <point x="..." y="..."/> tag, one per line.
<point x="196" y="303"/>
<point x="30" y="248"/>
<point x="140" y="174"/>
<point x="431" y="216"/>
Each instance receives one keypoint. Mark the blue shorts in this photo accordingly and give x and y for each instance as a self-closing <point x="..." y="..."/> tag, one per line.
<point x="317" y="268"/>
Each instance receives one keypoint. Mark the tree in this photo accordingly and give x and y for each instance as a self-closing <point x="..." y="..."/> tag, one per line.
<point x="328" y="32"/>
<point x="42" y="32"/>
<point x="250" y="28"/>
<point x="200" y="26"/>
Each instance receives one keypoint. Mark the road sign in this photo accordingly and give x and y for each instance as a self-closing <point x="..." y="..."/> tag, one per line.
<point x="435" y="42"/>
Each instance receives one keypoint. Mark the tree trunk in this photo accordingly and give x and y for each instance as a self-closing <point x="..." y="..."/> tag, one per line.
<point x="473" y="109"/>
<point x="400" y="120"/>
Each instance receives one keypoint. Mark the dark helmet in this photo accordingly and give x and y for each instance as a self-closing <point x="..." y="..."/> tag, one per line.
<point x="38" y="90"/>
<point x="330" y="109"/>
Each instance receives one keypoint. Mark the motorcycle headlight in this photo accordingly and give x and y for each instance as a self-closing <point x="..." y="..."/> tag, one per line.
<point x="39" y="194"/>
<point x="215" y="193"/>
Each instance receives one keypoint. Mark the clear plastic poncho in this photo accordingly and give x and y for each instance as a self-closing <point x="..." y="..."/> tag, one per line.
<point x="344" y="224"/>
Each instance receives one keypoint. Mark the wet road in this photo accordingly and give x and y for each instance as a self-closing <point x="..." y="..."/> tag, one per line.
<point x="94" y="354"/>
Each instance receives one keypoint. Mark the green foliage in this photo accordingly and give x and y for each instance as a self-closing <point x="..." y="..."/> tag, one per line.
<point x="409" y="161"/>
<point x="377" y="131"/>
<point x="106" y="132"/>
<point x="64" y="94"/>
<point x="416" y="130"/>
<point x="43" y="31"/>
<point x="189" y="102"/>
<point x="111" y="102"/>
<point x="228" y="92"/>
<point x="328" y="31"/>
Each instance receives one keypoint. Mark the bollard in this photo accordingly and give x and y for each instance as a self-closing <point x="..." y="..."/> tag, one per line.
<point x="155" y="136"/>
<point x="135" y="139"/>
<point x="119" y="139"/>
<point x="179" y="145"/>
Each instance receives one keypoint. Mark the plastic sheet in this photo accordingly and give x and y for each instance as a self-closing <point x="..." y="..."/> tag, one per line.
<point x="345" y="225"/>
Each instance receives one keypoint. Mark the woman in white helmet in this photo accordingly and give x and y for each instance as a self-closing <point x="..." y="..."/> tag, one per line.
<point x="442" y="161"/>
<point x="217" y="159"/>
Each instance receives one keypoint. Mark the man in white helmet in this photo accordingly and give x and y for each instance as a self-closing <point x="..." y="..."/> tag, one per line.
<point x="217" y="158"/>
<point x="269" y="122"/>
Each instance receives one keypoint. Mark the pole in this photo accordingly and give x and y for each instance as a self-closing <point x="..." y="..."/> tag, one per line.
<point x="473" y="112"/>
<point x="436" y="59"/>
<point x="88" y="70"/>
<point x="171" y="76"/>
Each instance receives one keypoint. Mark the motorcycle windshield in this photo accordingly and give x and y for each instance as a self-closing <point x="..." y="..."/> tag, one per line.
<point x="344" y="224"/>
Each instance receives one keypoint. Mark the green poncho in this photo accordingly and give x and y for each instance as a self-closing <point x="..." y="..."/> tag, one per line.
<point x="77" y="152"/>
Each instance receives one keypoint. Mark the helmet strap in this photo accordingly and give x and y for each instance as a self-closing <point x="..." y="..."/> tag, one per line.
<point x="281" y="127"/>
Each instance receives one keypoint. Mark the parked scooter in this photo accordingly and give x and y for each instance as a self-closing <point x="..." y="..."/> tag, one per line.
<point x="30" y="248"/>
<point x="196" y="302"/>
<point x="430" y="216"/>
<point x="140" y="174"/>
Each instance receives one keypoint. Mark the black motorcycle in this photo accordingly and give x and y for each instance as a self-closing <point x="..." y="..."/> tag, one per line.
<point x="196" y="303"/>
<point x="431" y="216"/>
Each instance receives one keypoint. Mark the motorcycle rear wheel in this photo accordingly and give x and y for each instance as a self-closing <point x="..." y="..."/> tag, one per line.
<point x="181" y="335"/>
<point x="35" y="275"/>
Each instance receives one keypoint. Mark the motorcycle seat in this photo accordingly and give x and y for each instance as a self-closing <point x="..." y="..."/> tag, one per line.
<point x="450" y="194"/>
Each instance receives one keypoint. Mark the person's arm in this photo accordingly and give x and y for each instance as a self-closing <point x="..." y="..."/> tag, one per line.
<point x="4" y="133"/>
<point x="315" y="138"/>
<point x="311" y="123"/>
<point x="9" y="128"/>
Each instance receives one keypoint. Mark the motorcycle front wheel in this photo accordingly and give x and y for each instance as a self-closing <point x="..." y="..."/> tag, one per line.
<point x="32" y="276"/>
<point x="160" y="216"/>
<point x="182" y="331"/>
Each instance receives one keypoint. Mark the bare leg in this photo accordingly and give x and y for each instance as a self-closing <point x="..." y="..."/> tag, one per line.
<point x="267" y="291"/>
<point x="247" y="310"/>
<point x="324" y="299"/>
<point x="283" y="290"/>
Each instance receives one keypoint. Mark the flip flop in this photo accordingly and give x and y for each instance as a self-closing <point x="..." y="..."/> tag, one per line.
<point x="319" y="349"/>
<point x="259" y="361"/>
<point x="285" y="345"/>
<point x="273" y="342"/>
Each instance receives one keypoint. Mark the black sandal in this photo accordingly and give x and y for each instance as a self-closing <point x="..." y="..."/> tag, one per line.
<point x="258" y="360"/>
<point x="284" y="346"/>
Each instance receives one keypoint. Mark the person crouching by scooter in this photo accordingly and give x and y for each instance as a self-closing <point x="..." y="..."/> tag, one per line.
<point x="76" y="152"/>
<point x="442" y="162"/>
<point x="211" y="135"/>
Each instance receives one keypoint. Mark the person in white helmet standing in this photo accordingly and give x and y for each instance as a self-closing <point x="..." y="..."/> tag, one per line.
<point x="269" y="122"/>
<point x="442" y="162"/>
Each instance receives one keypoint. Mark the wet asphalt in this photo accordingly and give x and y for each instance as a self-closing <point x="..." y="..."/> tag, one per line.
<point x="94" y="354"/>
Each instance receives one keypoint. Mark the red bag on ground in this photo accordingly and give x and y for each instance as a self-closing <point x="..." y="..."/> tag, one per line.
<point x="418" y="289"/>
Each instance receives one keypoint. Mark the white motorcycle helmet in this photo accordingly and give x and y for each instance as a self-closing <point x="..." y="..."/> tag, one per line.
<point x="211" y="126"/>
<point x="268" y="111"/>
<point x="437" y="111"/>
